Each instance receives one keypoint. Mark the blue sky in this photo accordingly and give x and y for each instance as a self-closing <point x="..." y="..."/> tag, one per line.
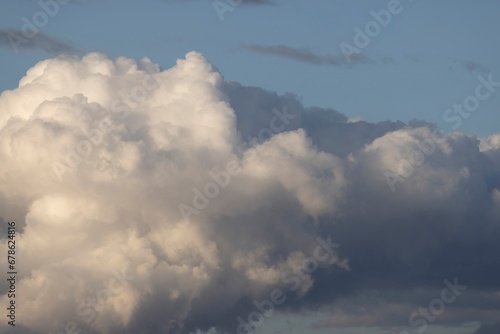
<point x="417" y="69"/>
<point x="430" y="56"/>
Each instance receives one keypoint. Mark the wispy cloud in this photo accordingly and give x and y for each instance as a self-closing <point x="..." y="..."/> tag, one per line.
<point x="16" y="41"/>
<point x="475" y="67"/>
<point x="303" y="55"/>
<point x="257" y="2"/>
<point x="244" y="2"/>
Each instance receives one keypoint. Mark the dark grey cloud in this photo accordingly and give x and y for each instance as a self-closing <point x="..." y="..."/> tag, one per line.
<point x="329" y="129"/>
<point x="302" y="55"/>
<point x="16" y="41"/>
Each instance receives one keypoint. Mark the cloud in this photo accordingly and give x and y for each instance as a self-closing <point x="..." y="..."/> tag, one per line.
<point x="16" y="41"/>
<point x="475" y="67"/>
<point x="143" y="197"/>
<point x="258" y="2"/>
<point x="302" y="55"/>
<point x="488" y="329"/>
<point x="242" y="2"/>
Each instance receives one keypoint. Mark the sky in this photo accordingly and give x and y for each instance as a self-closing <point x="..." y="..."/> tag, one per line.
<point x="240" y="166"/>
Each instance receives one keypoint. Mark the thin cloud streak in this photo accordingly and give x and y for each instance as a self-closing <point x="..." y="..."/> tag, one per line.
<point x="302" y="55"/>
<point x="15" y="40"/>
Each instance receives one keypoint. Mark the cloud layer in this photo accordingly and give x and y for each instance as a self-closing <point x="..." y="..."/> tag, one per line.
<point x="144" y="197"/>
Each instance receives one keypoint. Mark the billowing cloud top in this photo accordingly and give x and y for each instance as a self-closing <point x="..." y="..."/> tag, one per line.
<point x="144" y="197"/>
